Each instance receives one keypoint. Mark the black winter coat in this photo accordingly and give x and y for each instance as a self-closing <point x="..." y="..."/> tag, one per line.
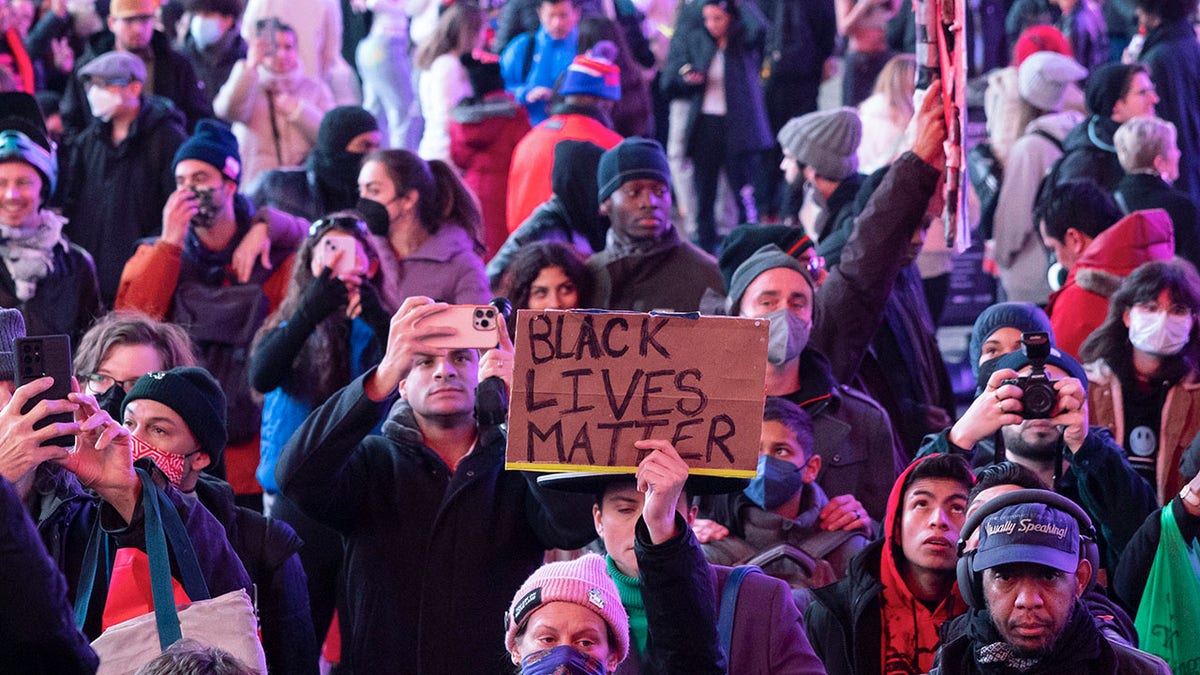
<point x="1173" y="56"/>
<point x="1099" y="479"/>
<point x="849" y="309"/>
<point x="37" y="624"/>
<point x="1088" y="152"/>
<point x="844" y="622"/>
<point x="433" y="556"/>
<point x="800" y="38"/>
<point x="138" y="171"/>
<point x="1139" y="191"/>
<point x="1138" y="557"/>
<point x="172" y="77"/>
<point x="851" y="433"/>
<point x="268" y="549"/>
<point x="66" y="302"/>
<point x="746" y="124"/>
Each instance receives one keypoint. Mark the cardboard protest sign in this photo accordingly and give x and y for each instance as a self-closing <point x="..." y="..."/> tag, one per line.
<point x="586" y="385"/>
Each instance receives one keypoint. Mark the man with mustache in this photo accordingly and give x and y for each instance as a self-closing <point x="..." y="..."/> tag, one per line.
<point x="1030" y="572"/>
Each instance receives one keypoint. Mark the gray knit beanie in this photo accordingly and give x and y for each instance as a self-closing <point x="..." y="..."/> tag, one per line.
<point x="766" y="258"/>
<point x="826" y="140"/>
<point x="1043" y="78"/>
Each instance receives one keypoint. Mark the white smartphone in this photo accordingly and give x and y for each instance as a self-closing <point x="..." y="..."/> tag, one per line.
<point x="330" y="245"/>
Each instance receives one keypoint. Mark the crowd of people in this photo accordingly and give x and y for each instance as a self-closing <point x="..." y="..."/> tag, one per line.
<point x="250" y="221"/>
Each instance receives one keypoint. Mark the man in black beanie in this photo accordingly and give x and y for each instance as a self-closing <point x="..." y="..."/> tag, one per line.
<point x="177" y="419"/>
<point x="329" y="179"/>
<point x="645" y="264"/>
<point x="215" y="271"/>
<point x="1114" y="94"/>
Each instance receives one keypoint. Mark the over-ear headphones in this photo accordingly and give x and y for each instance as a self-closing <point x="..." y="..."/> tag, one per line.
<point x="970" y="581"/>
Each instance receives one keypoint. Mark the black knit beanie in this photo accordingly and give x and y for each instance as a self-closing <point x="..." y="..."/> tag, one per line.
<point x="1104" y="86"/>
<point x="195" y="396"/>
<point x="632" y="159"/>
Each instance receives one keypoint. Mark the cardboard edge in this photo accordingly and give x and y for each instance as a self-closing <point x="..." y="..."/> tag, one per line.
<point x="541" y="467"/>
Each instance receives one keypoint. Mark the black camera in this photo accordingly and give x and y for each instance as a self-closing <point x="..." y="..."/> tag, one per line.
<point x="1039" y="396"/>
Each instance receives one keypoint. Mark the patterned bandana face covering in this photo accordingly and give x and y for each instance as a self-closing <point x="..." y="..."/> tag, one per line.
<point x="170" y="464"/>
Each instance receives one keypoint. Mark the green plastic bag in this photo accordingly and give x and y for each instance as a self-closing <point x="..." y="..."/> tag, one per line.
<point x="1170" y="611"/>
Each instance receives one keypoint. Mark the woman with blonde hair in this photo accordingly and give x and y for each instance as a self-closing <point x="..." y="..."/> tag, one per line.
<point x="442" y="79"/>
<point x="886" y="112"/>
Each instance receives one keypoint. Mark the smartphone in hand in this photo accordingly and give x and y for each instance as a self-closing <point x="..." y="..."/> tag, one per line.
<point x="475" y="327"/>
<point x="42" y="356"/>
<point x="328" y="248"/>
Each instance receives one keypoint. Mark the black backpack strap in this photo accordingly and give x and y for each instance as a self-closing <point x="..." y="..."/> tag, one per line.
<point x="1050" y="137"/>
<point x="825" y="542"/>
<point x="527" y="61"/>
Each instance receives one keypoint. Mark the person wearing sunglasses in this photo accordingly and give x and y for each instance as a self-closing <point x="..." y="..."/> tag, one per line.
<point x="330" y="328"/>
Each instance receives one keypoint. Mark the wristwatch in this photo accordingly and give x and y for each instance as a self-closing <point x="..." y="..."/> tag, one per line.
<point x="1190" y="497"/>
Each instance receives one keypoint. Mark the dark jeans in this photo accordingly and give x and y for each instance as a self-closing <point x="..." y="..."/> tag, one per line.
<point x="708" y="158"/>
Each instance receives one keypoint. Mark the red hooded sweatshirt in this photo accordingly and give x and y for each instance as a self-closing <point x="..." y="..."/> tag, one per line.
<point x="909" y="639"/>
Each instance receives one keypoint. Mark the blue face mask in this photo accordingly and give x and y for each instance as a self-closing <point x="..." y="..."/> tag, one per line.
<point x="561" y="660"/>
<point x="777" y="481"/>
<point x="205" y="30"/>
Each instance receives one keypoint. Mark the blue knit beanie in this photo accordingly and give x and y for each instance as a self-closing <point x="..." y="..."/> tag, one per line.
<point x="1024" y="316"/>
<point x="214" y="144"/>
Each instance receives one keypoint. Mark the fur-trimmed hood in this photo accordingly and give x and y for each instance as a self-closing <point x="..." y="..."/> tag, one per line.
<point x="1137" y="238"/>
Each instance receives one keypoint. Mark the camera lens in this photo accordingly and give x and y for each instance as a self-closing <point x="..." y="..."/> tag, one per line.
<point x="1038" y="401"/>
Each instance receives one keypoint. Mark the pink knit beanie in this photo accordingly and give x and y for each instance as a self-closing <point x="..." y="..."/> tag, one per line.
<point x="583" y="581"/>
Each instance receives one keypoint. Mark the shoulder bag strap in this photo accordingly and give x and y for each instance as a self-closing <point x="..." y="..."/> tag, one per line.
<point x="729" y="596"/>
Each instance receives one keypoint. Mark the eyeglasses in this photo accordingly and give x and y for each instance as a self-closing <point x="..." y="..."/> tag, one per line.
<point x="98" y="383"/>
<point x="347" y="223"/>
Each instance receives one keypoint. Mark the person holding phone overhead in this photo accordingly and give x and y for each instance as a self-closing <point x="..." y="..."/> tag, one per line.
<point x="330" y="328"/>
<point x="427" y="226"/>
<point x="438" y="536"/>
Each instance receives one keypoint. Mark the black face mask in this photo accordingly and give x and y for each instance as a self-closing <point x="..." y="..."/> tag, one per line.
<point x="375" y="215"/>
<point x="111" y="400"/>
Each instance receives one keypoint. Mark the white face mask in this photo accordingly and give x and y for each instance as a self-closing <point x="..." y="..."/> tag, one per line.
<point x="104" y="103"/>
<point x="1160" y="333"/>
<point x="205" y="30"/>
